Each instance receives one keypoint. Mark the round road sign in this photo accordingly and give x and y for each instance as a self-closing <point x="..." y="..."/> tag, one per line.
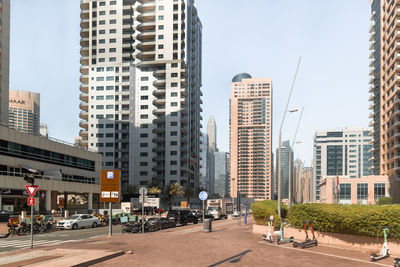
<point x="203" y="195"/>
<point x="143" y="191"/>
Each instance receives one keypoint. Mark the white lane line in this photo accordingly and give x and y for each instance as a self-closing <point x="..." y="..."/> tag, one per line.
<point x="326" y="254"/>
<point x="26" y="243"/>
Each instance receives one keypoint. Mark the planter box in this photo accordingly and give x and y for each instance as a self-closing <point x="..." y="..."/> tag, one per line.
<point x="356" y="242"/>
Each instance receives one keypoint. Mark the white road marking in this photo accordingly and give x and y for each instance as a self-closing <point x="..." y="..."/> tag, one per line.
<point x="326" y="254"/>
<point x="27" y="243"/>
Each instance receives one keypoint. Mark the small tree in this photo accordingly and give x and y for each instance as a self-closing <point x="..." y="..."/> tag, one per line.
<point x="154" y="190"/>
<point x="189" y="193"/>
<point x="175" y="189"/>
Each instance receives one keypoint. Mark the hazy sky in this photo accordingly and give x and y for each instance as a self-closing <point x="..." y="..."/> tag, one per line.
<point x="262" y="37"/>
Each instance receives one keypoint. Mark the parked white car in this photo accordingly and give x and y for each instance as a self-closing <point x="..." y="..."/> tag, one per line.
<point x="79" y="221"/>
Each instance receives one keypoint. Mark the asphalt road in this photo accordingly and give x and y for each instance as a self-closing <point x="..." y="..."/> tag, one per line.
<point x="50" y="239"/>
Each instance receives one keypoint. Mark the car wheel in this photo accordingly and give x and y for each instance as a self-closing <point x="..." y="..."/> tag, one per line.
<point x="94" y="225"/>
<point x="74" y="226"/>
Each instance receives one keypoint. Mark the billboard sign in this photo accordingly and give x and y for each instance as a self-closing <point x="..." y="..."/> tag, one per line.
<point x="110" y="186"/>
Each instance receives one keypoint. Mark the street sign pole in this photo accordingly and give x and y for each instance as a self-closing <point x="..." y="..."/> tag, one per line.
<point x="110" y="220"/>
<point x="31" y="227"/>
<point x="142" y="214"/>
<point x="203" y="212"/>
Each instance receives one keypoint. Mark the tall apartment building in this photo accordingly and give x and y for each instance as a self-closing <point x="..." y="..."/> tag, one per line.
<point x="212" y="134"/>
<point x="384" y="85"/>
<point x="24" y="111"/>
<point x="341" y="152"/>
<point x="204" y="180"/>
<point x="251" y="136"/>
<point x="285" y="165"/>
<point x="140" y="88"/>
<point x="221" y="173"/>
<point x="4" y="58"/>
<point x="306" y="185"/>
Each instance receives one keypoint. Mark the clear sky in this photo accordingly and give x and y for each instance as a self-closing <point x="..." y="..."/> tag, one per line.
<point x="262" y="37"/>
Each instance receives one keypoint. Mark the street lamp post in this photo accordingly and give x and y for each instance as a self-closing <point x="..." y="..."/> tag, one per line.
<point x="290" y="158"/>
<point x="280" y="142"/>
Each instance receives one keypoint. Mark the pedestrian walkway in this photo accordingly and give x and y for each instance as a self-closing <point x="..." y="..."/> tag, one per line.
<point x="27" y="243"/>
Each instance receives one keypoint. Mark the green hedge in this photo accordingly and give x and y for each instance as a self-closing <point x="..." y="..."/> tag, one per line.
<point x="385" y="201"/>
<point x="262" y="211"/>
<point x="347" y="219"/>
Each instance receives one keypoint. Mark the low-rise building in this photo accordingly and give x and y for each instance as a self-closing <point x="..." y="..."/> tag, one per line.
<point x="365" y="190"/>
<point x="61" y="169"/>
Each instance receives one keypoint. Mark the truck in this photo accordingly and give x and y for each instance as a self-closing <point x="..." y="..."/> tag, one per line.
<point x="219" y="208"/>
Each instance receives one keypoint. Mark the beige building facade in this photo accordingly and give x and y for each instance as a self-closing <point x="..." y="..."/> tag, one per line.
<point x="365" y="190"/>
<point x="24" y="111"/>
<point x="251" y="137"/>
<point x="4" y="58"/>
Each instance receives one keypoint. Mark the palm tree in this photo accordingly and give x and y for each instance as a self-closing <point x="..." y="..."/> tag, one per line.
<point x="175" y="189"/>
<point x="154" y="190"/>
<point x="189" y="193"/>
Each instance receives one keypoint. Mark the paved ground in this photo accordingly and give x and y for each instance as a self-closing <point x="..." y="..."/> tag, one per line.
<point x="228" y="244"/>
<point x="50" y="239"/>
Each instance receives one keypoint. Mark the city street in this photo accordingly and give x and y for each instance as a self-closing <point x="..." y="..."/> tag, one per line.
<point x="228" y="244"/>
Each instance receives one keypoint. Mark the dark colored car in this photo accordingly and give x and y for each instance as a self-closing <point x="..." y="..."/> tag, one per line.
<point x="182" y="216"/>
<point x="207" y="215"/>
<point x="161" y="223"/>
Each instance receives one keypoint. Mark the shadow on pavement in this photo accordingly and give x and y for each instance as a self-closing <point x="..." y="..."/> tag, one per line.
<point x="233" y="259"/>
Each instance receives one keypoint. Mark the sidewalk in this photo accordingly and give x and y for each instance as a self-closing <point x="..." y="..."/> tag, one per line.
<point x="189" y="246"/>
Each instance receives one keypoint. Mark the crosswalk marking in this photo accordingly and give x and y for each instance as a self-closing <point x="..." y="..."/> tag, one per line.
<point x="27" y="243"/>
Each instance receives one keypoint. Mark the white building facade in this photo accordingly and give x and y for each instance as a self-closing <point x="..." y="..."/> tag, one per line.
<point x="140" y="84"/>
<point x="341" y="152"/>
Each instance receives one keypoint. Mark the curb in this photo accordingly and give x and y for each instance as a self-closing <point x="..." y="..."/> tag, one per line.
<point x="101" y="259"/>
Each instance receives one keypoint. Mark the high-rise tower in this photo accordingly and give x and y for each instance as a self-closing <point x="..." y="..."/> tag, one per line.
<point x="212" y="134"/>
<point x="24" y="111"/>
<point x="140" y="84"/>
<point x="251" y="136"/>
<point x="4" y="58"/>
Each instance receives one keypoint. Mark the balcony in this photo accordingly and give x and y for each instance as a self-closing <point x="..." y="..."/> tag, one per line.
<point x="159" y="111"/>
<point x="84" y="42"/>
<point x="146" y="45"/>
<point x="85" y="14"/>
<point x="159" y="168"/>
<point x="85" y="51"/>
<point x="84" y="97"/>
<point x="146" y="55"/>
<point x="159" y="92"/>
<point x="84" y="106"/>
<point x="83" y="133"/>
<point x="158" y="149"/>
<point x="85" y="24"/>
<point x="159" y="82"/>
<point x="159" y="101"/>
<point x="84" y="88"/>
<point x="183" y="92"/>
<point x="159" y="129"/>
<point x="158" y="120"/>
<point x="84" y="5"/>
<point x="146" y="17"/>
<point x="84" y="124"/>
<point x="84" y="61"/>
<point x="84" y="71"/>
<point x="84" y="79"/>
<point x="159" y="159"/>
<point x="85" y="33"/>
<point x="146" y="7"/>
<point x="144" y="36"/>
<point x="147" y="26"/>
<point x="84" y="115"/>
<point x="159" y="73"/>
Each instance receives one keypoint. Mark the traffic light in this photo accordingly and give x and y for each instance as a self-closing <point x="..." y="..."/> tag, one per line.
<point x="29" y="179"/>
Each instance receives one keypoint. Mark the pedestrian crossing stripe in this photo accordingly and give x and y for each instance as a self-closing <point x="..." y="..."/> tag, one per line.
<point x="27" y="243"/>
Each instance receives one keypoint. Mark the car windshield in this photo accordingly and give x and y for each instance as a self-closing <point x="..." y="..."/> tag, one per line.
<point x="73" y="217"/>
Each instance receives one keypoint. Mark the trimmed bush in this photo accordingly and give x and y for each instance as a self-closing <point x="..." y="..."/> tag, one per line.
<point x="385" y="201"/>
<point x="262" y="211"/>
<point x="347" y="219"/>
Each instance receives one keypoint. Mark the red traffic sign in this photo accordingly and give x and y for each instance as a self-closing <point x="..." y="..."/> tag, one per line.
<point x="31" y="189"/>
<point x="31" y="201"/>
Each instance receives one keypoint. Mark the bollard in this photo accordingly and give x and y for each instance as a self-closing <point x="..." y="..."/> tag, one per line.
<point x="66" y="213"/>
<point x="207" y="225"/>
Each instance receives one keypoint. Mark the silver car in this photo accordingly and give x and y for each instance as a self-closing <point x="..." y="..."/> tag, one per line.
<point x="79" y="221"/>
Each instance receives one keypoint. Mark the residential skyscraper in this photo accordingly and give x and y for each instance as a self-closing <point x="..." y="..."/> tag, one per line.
<point x="24" y="111"/>
<point x="212" y="134"/>
<point x="204" y="181"/>
<point x="221" y="173"/>
<point x="44" y="131"/>
<point x="251" y="136"/>
<point x="140" y="84"/>
<point x="341" y="152"/>
<point x="4" y="58"/>
<point x="285" y="165"/>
